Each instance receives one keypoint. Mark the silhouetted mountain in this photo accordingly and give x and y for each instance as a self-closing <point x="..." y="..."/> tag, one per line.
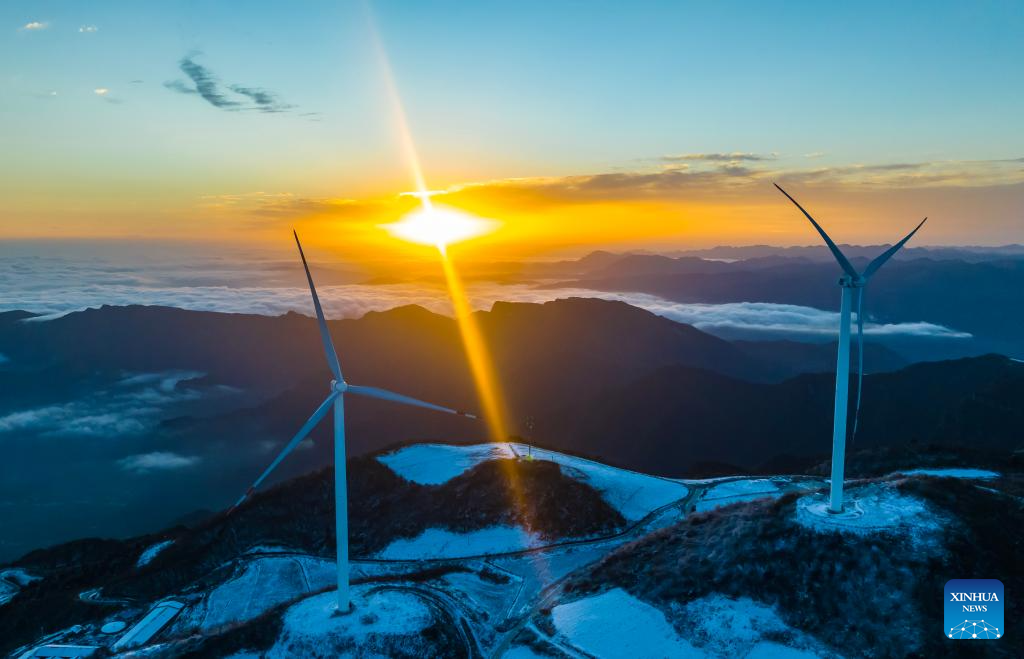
<point x="671" y="421"/>
<point x="130" y="403"/>
<point x="981" y="298"/>
<point x="821" y="357"/>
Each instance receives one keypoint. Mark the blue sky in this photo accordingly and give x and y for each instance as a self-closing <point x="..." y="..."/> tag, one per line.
<point x="492" y="91"/>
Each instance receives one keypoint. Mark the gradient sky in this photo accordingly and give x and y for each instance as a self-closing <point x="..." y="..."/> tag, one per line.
<point x="575" y="124"/>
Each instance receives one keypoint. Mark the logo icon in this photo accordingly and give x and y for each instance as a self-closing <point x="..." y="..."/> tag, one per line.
<point x="973" y="609"/>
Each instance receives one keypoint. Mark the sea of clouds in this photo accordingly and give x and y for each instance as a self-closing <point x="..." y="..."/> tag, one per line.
<point x="57" y="285"/>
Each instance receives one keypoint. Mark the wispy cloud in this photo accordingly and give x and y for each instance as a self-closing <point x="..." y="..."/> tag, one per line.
<point x="735" y="156"/>
<point x="709" y="177"/>
<point x="88" y="29"/>
<point x="131" y="408"/>
<point x="35" y="25"/>
<point x="104" y="93"/>
<point x="266" y="101"/>
<point x="788" y="319"/>
<point x="208" y="86"/>
<point x="157" y="461"/>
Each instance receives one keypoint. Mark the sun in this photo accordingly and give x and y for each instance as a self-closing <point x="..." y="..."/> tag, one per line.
<point x="439" y="226"/>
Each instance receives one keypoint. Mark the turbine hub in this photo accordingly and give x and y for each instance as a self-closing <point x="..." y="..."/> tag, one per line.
<point x="340" y="387"/>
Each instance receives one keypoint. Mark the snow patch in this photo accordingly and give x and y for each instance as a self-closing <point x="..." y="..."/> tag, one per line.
<point x="633" y="494"/>
<point x="616" y="624"/>
<point x="434" y="464"/>
<point x="442" y="543"/>
<point x="151" y="552"/>
<point x="736" y="491"/>
<point x="726" y="627"/>
<point x="951" y="472"/>
<point x="263" y="584"/>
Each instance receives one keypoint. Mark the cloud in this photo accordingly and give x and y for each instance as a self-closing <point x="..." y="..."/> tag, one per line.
<point x="718" y="180"/>
<point x="131" y="408"/>
<point x="735" y="156"/>
<point x="35" y="25"/>
<point x="88" y="29"/>
<point x="287" y="205"/>
<point x="104" y="93"/>
<point x="208" y="86"/>
<point x="157" y="461"/>
<point x="255" y="288"/>
<point x="266" y="101"/>
<point x="777" y="318"/>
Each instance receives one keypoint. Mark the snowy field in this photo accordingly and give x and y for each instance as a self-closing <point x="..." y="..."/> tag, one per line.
<point x="724" y="627"/>
<point x="434" y="464"/>
<point x="262" y="584"/>
<point x="952" y="472"/>
<point x="633" y="494"/>
<point x="736" y="491"/>
<point x="441" y="543"/>
<point x="616" y="624"/>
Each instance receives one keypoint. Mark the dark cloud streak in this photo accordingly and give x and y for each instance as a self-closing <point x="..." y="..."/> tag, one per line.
<point x="735" y="156"/>
<point x="208" y="86"/>
<point x="265" y="100"/>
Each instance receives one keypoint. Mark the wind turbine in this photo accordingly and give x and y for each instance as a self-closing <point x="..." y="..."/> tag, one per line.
<point x="849" y="282"/>
<point x="336" y="400"/>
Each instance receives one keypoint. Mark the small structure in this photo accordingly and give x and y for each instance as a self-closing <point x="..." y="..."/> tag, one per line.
<point x="147" y="628"/>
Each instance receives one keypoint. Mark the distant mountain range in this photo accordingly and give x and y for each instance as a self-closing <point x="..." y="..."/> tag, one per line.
<point x="155" y="412"/>
<point x="981" y="295"/>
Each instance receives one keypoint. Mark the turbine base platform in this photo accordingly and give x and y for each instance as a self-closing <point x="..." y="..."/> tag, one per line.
<point x="336" y="612"/>
<point x="869" y="509"/>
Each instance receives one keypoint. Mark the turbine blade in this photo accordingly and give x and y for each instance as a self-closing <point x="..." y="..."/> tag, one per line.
<point x="384" y="394"/>
<point x="325" y="336"/>
<point x="843" y="262"/>
<point x="887" y="254"/>
<point x="306" y="428"/>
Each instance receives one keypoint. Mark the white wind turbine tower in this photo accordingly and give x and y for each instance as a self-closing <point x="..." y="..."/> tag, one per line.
<point x="850" y="281"/>
<point x="339" y="387"/>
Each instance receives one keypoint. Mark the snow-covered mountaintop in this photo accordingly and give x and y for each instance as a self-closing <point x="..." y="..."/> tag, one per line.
<point x="633" y="494"/>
